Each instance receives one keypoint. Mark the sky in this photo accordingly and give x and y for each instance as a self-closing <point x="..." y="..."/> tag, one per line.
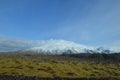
<point x="89" y="22"/>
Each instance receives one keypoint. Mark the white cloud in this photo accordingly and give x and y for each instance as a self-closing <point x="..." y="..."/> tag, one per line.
<point x="7" y="44"/>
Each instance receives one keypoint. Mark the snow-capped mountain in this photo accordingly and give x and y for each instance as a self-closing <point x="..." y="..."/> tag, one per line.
<point x="59" y="46"/>
<point x="62" y="46"/>
<point x="48" y="46"/>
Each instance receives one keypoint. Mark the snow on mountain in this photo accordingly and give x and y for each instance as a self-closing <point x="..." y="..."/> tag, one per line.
<point x="100" y="50"/>
<point x="103" y="50"/>
<point x="59" y="46"/>
<point x="47" y="46"/>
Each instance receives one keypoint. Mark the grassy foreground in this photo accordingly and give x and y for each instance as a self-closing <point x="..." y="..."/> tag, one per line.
<point x="52" y="67"/>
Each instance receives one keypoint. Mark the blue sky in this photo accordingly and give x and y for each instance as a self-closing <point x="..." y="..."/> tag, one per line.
<point x="90" y="22"/>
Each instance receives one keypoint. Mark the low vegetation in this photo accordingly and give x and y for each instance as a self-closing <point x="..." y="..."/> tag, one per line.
<point x="61" y="66"/>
